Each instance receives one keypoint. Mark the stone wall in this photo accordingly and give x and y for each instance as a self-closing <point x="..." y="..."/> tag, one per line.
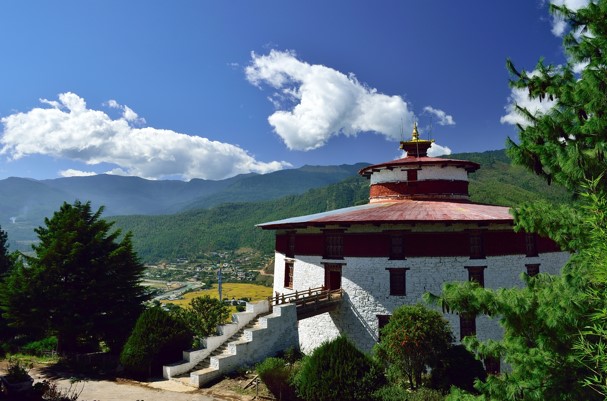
<point x="366" y="285"/>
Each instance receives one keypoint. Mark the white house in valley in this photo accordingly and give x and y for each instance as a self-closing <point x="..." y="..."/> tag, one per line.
<point x="418" y="231"/>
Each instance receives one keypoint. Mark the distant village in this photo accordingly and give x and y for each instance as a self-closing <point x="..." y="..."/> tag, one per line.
<point x="172" y="279"/>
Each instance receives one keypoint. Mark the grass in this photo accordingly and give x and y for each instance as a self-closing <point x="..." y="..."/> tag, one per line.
<point x="229" y="290"/>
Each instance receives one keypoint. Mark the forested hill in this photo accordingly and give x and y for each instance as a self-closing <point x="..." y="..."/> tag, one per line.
<point x="24" y="203"/>
<point x="232" y="225"/>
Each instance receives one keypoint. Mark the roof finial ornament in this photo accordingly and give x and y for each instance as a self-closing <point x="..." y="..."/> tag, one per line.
<point x="415" y="135"/>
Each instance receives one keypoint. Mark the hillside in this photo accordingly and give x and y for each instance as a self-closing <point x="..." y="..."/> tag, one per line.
<point x="232" y="225"/>
<point x="24" y="203"/>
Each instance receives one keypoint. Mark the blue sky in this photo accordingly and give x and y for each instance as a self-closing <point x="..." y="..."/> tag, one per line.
<point x="210" y="89"/>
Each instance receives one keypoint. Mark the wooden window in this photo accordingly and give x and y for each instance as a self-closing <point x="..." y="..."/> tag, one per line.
<point x="397" y="246"/>
<point x="477" y="274"/>
<point x="492" y="365"/>
<point x="533" y="269"/>
<point x="288" y="274"/>
<point x="477" y="246"/>
<point x="398" y="281"/>
<point x="411" y="175"/>
<point x="333" y="276"/>
<point x="382" y="320"/>
<point x="530" y="245"/>
<point x="467" y="325"/>
<point x="334" y="245"/>
<point x="291" y="244"/>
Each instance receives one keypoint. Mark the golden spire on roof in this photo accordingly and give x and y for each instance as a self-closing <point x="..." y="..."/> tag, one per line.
<point x="416" y="147"/>
<point x="415" y="135"/>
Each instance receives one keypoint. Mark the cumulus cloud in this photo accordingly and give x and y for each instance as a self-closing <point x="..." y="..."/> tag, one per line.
<point x="558" y="24"/>
<point x="315" y="102"/>
<point x="442" y="117"/>
<point x="70" y="172"/>
<point x="520" y="97"/>
<point x="438" y="150"/>
<point x="70" y="130"/>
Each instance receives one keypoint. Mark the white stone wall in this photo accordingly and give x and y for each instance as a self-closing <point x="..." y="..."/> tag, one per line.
<point x="426" y="173"/>
<point x="366" y="284"/>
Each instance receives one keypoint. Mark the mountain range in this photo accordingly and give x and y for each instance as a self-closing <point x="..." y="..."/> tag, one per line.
<point x="24" y="202"/>
<point x="175" y="219"/>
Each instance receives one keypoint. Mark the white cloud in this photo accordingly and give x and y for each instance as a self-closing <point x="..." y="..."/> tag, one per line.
<point x="558" y="24"/>
<point x="70" y="130"/>
<point x="315" y="103"/>
<point x="70" y="172"/>
<point x="438" y="150"/>
<point x="520" y="97"/>
<point x="443" y="118"/>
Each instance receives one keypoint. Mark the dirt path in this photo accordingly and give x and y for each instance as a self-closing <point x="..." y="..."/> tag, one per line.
<point x="117" y="389"/>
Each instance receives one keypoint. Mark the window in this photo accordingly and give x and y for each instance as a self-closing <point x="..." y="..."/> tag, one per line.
<point x="382" y="320"/>
<point x="533" y="269"/>
<point x="467" y="325"/>
<point x="288" y="274"/>
<point x="397" y="246"/>
<point x="291" y="244"/>
<point x="530" y="244"/>
<point x="398" y="281"/>
<point x="334" y="245"/>
<point x="411" y="175"/>
<point x="477" y="248"/>
<point x="477" y="274"/>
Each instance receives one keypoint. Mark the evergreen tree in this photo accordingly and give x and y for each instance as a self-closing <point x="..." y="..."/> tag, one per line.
<point x="82" y="285"/>
<point x="5" y="266"/>
<point x="568" y="144"/>
<point x="547" y="357"/>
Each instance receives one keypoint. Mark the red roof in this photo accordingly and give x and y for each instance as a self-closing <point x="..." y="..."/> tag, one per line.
<point x="412" y="161"/>
<point x="403" y="211"/>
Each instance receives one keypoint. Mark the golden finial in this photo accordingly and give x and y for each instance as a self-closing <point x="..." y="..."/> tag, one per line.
<point x="415" y="135"/>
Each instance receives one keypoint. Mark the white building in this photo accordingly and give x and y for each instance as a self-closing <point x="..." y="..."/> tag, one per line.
<point x="418" y="231"/>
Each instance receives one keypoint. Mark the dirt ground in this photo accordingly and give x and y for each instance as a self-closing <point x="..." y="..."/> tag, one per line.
<point x="118" y="389"/>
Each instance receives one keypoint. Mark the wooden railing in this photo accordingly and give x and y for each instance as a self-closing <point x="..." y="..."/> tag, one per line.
<point x="309" y="302"/>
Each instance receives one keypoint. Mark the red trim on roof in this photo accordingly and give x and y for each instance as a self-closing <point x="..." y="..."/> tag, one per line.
<point x="419" y="161"/>
<point x="403" y="211"/>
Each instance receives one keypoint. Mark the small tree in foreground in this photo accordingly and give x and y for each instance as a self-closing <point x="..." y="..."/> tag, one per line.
<point x="157" y="339"/>
<point x="412" y="341"/>
<point x="203" y="315"/>
<point x="337" y="370"/>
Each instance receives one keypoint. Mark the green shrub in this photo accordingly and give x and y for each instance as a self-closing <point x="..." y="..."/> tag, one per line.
<point x="391" y="393"/>
<point x="412" y="341"/>
<point x="40" y="346"/>
<point x="457" y="367"/>
<point x="425" y="394"/>
<point x="337" y="370"/>
<point x="275" y="374"/>
<point x="398" y="393"/>
<point x="157" y="339"/>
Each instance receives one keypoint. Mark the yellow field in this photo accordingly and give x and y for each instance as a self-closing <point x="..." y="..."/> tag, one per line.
<point x="229" y="290"/>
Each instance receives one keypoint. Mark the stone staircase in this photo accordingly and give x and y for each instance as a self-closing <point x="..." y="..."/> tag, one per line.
<point x="204" y="367"/>
<point x="263" y="335"/>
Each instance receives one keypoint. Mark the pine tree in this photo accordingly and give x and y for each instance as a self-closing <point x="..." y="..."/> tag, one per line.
<point x="568" y="144"/>
<point x="548" y="357"/>
<point x="82" y="285"/>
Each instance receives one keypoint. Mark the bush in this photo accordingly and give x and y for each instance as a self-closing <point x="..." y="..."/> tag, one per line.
<point x="41" y="346"/>
<point x="204" y="314"/>
<point x="457" y="367"/>
<point x="275" y="374"/>
<point x="391" y="393"/>
<point x="397" y="393"/>
<point x="412" y="341"/>
<point x="157" y="339"/>
<point x="337" y="370"/>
